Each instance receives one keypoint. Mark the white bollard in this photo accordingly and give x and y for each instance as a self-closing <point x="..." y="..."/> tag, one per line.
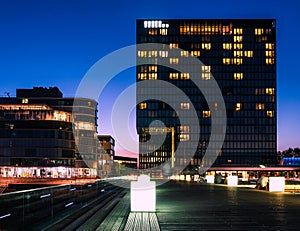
<point x="188" y="178"/>
<point x="276" y="184"/>
<point x="143" y="195"/>
<point x="210" y="179"/>
<point x="232" y="180"/>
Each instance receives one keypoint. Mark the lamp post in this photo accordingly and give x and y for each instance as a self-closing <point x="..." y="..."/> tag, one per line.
<point x="203" y="144"/>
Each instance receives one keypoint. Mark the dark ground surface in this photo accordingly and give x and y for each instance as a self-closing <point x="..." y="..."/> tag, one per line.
<point x="191" y="206"/>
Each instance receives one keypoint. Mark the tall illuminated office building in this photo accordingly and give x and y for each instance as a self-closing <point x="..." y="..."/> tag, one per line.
<point x="241" y="56"/>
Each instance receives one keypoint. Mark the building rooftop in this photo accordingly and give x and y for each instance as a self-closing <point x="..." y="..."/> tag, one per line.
<point x="39" y="92"/>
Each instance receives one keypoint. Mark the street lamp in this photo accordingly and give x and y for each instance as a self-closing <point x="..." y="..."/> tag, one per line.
<point x="202" y="145"/>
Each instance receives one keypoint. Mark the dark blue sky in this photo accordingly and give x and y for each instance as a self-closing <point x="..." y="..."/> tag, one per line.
<point x="55" y="42"/>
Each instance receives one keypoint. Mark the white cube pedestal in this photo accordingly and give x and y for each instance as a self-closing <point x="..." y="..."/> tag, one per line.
<point x="232" y="180"/>
<point x="210" y="179"/>
<point x="276" y="184"/>
<point x="143" y="195"/>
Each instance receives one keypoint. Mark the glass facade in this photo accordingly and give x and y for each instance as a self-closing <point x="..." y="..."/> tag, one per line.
<point x="241" y="56"/>
<point x="36" y="129"/>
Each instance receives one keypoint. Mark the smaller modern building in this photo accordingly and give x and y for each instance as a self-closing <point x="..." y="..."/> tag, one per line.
<point x="129" y="162"/>
<point x="108" y="144"/>
<point x="37" y="138"/>
<point x="125" y="165"/>
<point x="105" y="156"/>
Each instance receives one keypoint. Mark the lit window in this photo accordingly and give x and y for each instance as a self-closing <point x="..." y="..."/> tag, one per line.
<point x="238" y="61"/>
<point x="173" y="45"/>
<point x="25" y="100"/>
<point x="184" y="137"/>
<point x="174" y="60"/>
<point x="206" y="46"/>
<point x="142" y="53"/>
<point x="195" y="53"/>
<point x="227" y="46"/>
<point x="270" y="113"/>
<point x="238" y="106"/>
<point x="226" y="61"/>
<point x="270" y="91"/>
<point x="184" y="76"/>
<point x="206" y="76"/>
<point x="270" y="61"/>
<point x="269" y="46"/>
<point x="227" y="29"/>
<point x="184" y="53"/>
<point x="82" y="125"/>
<point x="248" y="54"/>
<point x="163" y="31"/>
<point x="185" y="106"/>
<point x="152" y="76"/>
<point x="238" y="76"/>
<point x="205" y="72"/>
<point x="182" y="29"/>
<point x="206" y="114"/>
<point x="194" y="28"/>
<point x="152" y="54"/>
<point x="142" y="76"/>
<point x="23" y="107"/>
<point x="163" y="54"/>
<point x="238" y="46"/>
<point x="215" y="29"/>
<point x="152" y="31"/>
<point x="259" y="31"/>
<point x="184" y="129"/>
<point x="143" y="106"/>
<point x="173" y="75"/>
<point x="206" y="69"/>
<point x="260" y="106"/>
<point x="238" y="53"/>
<point x="238" y="39"/>
<point x="269" y="53"/>
<point x="237" y="31"/>
<point x="152" y="68"/>
<point x="206" y="29"/>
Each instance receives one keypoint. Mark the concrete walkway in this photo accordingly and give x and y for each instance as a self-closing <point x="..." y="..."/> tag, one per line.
<point x="192" y="206"/>
<point x="183" y="206"/>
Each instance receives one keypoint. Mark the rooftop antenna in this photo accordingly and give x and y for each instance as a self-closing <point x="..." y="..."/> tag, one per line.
<point x="8" y="94"/>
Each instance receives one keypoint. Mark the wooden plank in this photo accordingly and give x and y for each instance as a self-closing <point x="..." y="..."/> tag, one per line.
<point x="116" y="219"/>
<point x="145" y="222"/>
<point x="154" y="222"/>
<point x="138" y="222"/>
<point x="142" y="221"/>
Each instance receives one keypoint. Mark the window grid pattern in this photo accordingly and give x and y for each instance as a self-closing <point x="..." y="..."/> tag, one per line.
<point x="241" y="55"/>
